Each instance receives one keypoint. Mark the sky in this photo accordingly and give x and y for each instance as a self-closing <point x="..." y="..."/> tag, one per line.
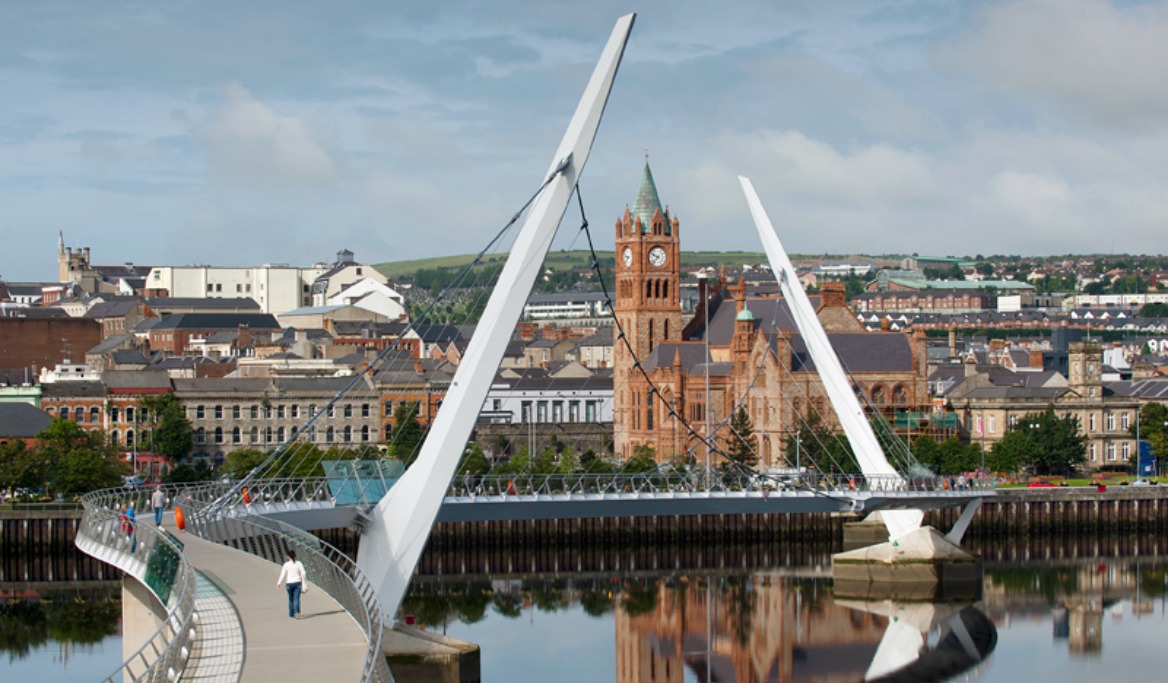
<point x="238" y="134"/>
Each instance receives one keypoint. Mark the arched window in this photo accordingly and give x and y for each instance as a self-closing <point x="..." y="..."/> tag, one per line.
<point x="879" y="396"/>
<point x="114" y="438"/>
<point x="79" y="414"/>
<point x="665" y="289"/>
<point x="348" y="434"/>
<point x="328" y="434"/>
<point x="236" y="435"/>
<point x="254" y="436"/>
<point x="280" y="434"/>
<point x="218" y="435"/>
<point x="129" y="413"/>
<point x="666" y="331"/>
<point x="649" y="409"/>
<point x="650" y="336"/>
<point x="95" y="414"/>
<point x="129" y="437"/>
<point x="201" y="435"/>
<point x="348" y="410"/>
<point x="899" y="395"/>
<point x="365" y="433"/>
<point x="648" y="289"/>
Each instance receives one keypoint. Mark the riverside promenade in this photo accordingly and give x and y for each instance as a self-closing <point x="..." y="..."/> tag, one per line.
<point x="247" y="634"/>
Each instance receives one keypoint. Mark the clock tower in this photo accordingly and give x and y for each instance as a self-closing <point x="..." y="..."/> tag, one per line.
<point x="648" y="275"/>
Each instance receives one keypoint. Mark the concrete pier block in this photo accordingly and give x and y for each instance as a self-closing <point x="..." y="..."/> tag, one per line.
<point x="417" y="655"/>
<point x="922" y="565"/>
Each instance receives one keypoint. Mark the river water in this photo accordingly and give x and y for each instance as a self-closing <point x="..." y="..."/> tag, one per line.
<point x="1047" y="615"/>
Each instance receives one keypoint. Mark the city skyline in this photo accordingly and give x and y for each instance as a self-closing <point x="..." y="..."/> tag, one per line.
<point x="236" y="136"/>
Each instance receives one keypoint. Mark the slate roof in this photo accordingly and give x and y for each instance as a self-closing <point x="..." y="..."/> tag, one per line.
<point x="665" y="353"/>
<point x="22" y="420"/>
<point x="136" y="379"/>
<point x="239" y="304"/>
<point x="565" y="297"/>
<point x="433" y="334"/>
<point x="129" y="357"/>
<point x="540" y="379"/>
<point x="73" y="389"/>
<point x="112" y="343"/>
<point x="858" y="352"/>
<point x="37" y="312"/>
<point x="602" y="337"/>
<point x="112" y="309"/>
<point x="217" y="321"/>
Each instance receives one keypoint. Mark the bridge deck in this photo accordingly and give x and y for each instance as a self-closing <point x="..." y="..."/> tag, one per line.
<point x="324" y="645"/>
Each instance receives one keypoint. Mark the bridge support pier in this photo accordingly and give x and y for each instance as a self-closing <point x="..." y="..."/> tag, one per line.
<point x="921" y="565"/>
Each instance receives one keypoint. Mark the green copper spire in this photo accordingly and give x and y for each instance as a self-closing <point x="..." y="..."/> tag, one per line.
<point x="647" y="202"/>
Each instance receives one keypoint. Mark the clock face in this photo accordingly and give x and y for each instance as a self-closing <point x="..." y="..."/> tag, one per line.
<point x="627" y="257"/>
<point x="656" y="257"/>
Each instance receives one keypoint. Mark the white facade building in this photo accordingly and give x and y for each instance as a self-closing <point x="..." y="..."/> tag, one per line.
<point x="525" y="401"/>
<point x="277" y="288"/>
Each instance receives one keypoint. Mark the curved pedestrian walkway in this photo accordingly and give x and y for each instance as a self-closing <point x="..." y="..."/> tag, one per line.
<point x="247" y="635"/>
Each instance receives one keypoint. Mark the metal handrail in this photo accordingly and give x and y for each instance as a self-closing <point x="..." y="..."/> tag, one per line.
<point x="328" y="568"/>
<point x="164" y="656"/>
<point x="537" y="484"/>
<point x="270" y="495"/>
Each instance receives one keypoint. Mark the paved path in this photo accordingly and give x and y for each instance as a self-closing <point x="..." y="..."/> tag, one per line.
<point x="244" y="618"/>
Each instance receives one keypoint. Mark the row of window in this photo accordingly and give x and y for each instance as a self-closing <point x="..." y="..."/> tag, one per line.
<point x="556" y="410"/>
<point x="281" y="411"/>
<point x="1124" y="451"/>
<point x="279" y="435"/>
<point x="1092" y="423"/>
<point x="92" y="415"/>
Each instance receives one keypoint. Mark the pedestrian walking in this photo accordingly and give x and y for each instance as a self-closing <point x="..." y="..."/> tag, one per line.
<point x="294" y="578"/>
<point x="158" y="502"/>
<point x="129" y="526"/>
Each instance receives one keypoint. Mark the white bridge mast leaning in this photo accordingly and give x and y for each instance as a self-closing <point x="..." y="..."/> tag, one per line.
<point x="392" y="543"/>
<point x="847" y="407"/>
<point x="914" y="555"/>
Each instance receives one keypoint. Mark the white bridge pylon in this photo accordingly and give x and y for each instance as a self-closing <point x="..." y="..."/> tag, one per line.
<point x="843" y="399"/>
<point x="392" y="543"/>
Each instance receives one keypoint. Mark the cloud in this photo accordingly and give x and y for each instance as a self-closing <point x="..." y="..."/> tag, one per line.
<point x="247" y="140"/>
<point x="1102" y="61"/>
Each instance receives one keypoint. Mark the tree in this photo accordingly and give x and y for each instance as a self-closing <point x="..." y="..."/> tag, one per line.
<point x="21" y="467"/>
<point x="173" y="434"/>
<point x="1042" y="440"/>
<point x="241" y="462"/>
<point x="741" y="448"/>
<point x="1152" y="426"/>
<point x="816" y="444"/>
<point x="183" y="473"/>
<point x="405" y="439"/>
<point x="474" y="461"/>
<point x="78" y="461"/>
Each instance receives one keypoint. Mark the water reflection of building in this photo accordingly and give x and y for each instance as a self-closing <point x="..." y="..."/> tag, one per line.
<point x="762" y="629"/>
<point x="1073" y="597"/>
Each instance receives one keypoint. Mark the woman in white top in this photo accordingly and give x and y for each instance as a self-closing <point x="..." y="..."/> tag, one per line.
<point x="293" y="576"/>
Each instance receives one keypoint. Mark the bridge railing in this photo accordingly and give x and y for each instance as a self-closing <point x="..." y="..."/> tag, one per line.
<point x="532" y="484"/>
<point x="266" y="495"/>
<point x="328" y="568"/>
<point x="155" y="559"/>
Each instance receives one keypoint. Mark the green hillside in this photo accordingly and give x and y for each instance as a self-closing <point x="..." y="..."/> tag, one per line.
<point x="570" y="260"/>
